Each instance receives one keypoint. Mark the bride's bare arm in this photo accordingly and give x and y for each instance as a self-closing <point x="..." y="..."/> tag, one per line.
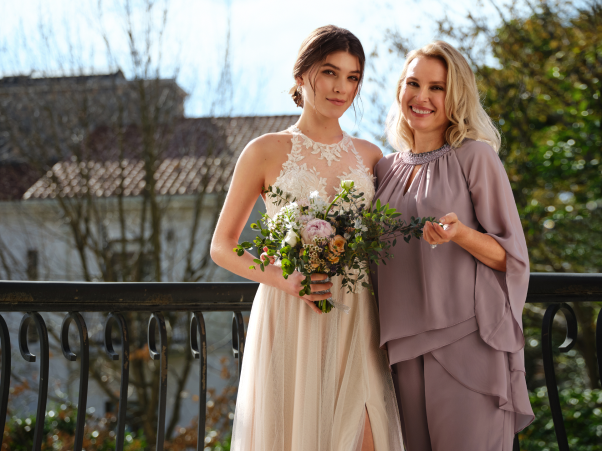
<point x="247" y="183"/>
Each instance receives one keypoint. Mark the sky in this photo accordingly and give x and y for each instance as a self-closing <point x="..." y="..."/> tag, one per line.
<point x="264" y="37"/>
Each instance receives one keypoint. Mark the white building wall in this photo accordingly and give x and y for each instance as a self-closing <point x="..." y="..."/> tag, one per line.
<point x="40" y="225"/>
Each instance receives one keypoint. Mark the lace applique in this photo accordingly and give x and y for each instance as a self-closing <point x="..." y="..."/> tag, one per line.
<point x="299" y="180"/>
<point x="364" y="181"/>
<point x="328" y="152"/>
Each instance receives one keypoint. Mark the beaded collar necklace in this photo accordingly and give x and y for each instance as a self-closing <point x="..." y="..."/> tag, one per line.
<point x="409" y="157"/>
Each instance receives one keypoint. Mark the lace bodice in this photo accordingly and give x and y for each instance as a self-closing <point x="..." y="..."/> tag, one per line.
<point x="313" y="166"/>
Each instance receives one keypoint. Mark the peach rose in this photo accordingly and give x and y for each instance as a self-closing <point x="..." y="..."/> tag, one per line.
<point x="337" y="244"/>
<point x="333" y="258"/>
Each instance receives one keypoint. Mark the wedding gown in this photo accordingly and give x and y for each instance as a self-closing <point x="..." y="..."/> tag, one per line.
<point x="308" y="379"/>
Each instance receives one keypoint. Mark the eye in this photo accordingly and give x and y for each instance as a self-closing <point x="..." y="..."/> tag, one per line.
<point x="354" y="78"/>
<point x="439" y="88"/>
<point x="413" y="83"/>
<point x="328" y="72"/>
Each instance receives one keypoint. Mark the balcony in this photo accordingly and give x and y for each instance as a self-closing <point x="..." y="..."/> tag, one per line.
<point x="555" y="292"/>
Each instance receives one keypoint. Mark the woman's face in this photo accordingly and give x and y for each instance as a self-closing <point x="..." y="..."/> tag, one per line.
<point x="335" y="81"/>
<point x="422" y="96"/>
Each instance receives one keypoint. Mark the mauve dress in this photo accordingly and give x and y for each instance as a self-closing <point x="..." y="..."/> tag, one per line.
<point x="445" y="305"/>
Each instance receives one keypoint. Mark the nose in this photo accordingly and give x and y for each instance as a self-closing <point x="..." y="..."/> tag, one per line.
<point x="422" y="95"/>
<point x="339" y="86"/>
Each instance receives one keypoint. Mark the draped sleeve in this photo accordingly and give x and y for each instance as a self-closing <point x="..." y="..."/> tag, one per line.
<point x="499" y="296"/>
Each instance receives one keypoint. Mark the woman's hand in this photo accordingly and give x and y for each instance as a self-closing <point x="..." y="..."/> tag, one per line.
<point x="292" y="286"/>
<point x="480" y="245"/>
<point x="435" y="234"/>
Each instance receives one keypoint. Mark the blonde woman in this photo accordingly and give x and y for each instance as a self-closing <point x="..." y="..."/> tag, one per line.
<point x="451" y="304"/>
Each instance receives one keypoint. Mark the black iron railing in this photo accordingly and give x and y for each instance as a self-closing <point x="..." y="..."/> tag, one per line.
<point x="196" y="298"/>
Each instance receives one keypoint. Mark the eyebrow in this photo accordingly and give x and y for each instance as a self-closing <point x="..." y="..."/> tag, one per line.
<point x="338" y="68"/>
<point x="432" y="82"/>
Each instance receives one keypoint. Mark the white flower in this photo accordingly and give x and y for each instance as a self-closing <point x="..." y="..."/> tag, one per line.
<point x="347" y="184"/>
<point x="292" y="209"/>
<point x="291" y="238"/>
<point x="359" y="226"/>
<point x="317" y="205"/>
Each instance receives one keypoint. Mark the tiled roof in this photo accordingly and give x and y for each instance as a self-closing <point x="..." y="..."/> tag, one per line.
<point x="197" y="155"/>
<point x="17" y="80"/>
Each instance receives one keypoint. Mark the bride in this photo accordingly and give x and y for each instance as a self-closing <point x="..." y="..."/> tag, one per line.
<point x="310" y="380"/>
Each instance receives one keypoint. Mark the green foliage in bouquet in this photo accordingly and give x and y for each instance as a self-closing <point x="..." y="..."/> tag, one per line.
<point x="340" y="238"/>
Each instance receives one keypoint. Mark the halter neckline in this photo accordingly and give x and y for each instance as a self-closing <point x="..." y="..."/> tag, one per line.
<point x="295" y="129"/>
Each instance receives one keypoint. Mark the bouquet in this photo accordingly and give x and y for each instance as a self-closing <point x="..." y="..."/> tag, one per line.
<point x="338" y="238"/>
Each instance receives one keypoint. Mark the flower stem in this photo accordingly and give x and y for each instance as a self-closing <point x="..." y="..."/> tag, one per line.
<point x="341" y="194"/>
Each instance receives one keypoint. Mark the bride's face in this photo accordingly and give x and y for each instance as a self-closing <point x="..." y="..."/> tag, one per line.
<point x="330" y="86"/>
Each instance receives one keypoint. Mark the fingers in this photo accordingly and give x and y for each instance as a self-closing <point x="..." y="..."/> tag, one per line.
<point x="433" y="233"/>
<point x="314" y="297"/>
<point x="321" y="287"/>
<point x="449" y="218"/>
<point x="427" y="233"/>
<point x="313" y="306"/>
<point x="319" y="276"/>
<point x="438" y="233"/>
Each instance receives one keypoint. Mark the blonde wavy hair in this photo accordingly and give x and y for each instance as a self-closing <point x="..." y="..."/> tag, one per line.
<point x="463" y="106"/>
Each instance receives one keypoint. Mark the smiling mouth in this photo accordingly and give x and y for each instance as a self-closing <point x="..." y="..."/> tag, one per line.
<point x="336" y="101"/>
<point x="420" y="111"/>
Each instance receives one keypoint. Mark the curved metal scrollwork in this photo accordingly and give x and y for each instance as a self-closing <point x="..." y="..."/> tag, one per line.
<point x="198" y="346"/>
<point x="162" y="356"/>
<point x="598" y="344"/>
<point x="548" y="363"/>
<point x="125" y="370"/>
<point x="5" y="376"/>
<point x="83" y="370"/>
<point x="36" y="318"/>
<point x="238" y="339"/>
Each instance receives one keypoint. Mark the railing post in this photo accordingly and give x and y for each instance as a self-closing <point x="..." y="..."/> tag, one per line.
<point x="162" y="357"/>
<point x="83" y="372"/>
<point x="548" y="364"/>
<point x="36" y="318"/>
<point x="238" y="339"/>
<point x="599" y="344"/>
<point x="197" y="327"/>
<point x="5" y="377"/>
<point x="125" y="371"/>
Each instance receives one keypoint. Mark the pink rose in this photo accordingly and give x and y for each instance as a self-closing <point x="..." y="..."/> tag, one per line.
<point x="265" y="257"/>
<point x="316" y="228"/>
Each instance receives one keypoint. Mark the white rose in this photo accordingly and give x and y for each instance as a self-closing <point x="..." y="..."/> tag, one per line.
<point x="347" y="184"/>
<point x="291" y="238"/>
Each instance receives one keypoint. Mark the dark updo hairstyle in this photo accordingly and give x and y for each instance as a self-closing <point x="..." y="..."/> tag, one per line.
<point x="317" y="46"/>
